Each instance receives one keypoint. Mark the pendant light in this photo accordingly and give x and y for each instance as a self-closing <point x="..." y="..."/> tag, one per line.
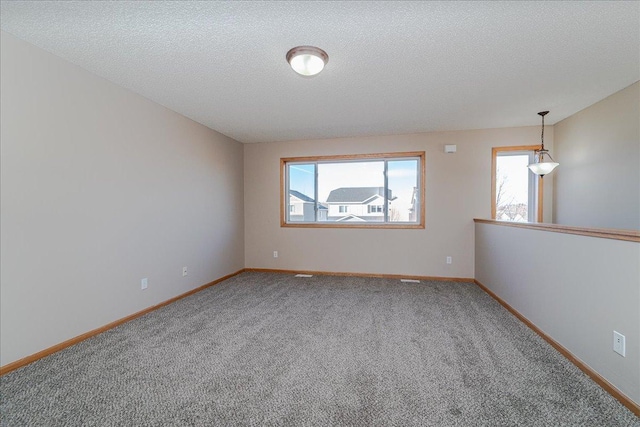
<point x="540" y="166"/>
<point x="307" y="60"/>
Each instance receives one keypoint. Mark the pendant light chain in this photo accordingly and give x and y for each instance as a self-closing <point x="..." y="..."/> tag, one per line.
<point x="542" y="136"/>
<point x="542" y="167"/>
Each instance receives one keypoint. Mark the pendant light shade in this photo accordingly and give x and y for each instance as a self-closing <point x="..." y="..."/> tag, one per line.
<point x="307" y="60"/>
<point x="541" y="166"/>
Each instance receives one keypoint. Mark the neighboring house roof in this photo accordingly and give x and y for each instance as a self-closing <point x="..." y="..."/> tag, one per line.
<point x="301" y="196"/>
<point x="351" y="218"/>
<point x="356" y="194"/>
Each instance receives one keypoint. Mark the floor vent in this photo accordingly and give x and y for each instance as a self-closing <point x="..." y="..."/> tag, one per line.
<point x="409" y="281"/>
<point x="304" y="275"/>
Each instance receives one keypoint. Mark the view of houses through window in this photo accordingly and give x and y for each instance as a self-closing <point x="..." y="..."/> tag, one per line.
<point x="515" y="192"/>
<point x="377" y="190"/>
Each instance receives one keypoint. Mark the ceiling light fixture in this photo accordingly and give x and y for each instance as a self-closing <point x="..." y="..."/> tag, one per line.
<point x="540" y="167"/>
<point x="307" y="60"/>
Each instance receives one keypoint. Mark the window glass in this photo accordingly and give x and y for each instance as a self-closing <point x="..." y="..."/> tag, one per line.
<point x="402" y="177"/>
<point x="351" y="190"/>
<point x="515" y="187"/>
<point x="301" y="194"/>
<point x="348" y="187"/>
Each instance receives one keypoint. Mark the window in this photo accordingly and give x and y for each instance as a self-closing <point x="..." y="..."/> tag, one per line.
<point x="516" y="192"/>
<point x="372" y="190"/>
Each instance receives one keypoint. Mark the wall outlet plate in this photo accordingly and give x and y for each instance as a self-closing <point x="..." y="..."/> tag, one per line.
<point x="144" y="283"/>
<point x="619" y="343"/>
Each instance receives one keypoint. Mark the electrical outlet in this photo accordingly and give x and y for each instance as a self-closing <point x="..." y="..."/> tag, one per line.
<point x="184" y="271"/>
<point x="619" y="343"/>
<point x="449" y="260"/>
<point x="275" y="254"/>
<point x="144" y="283"/>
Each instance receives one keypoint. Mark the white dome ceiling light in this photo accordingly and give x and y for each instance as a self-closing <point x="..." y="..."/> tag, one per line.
<point x="307" y="60"/>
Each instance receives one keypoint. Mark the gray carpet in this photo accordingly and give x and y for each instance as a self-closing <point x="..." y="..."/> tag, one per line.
<point x="265" y="349"/>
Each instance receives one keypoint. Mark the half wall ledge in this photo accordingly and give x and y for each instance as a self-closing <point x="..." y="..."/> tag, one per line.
<point x="604" y="233"/>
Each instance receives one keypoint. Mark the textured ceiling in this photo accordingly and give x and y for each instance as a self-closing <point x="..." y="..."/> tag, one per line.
<point x="394" y="67"/>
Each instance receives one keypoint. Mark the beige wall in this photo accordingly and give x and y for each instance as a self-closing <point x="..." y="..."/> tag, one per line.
<point x="565" y="286"/>
<point x="598" y="148"/>
<point x="100" y="188"/>
<point x="457" y="190"/>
